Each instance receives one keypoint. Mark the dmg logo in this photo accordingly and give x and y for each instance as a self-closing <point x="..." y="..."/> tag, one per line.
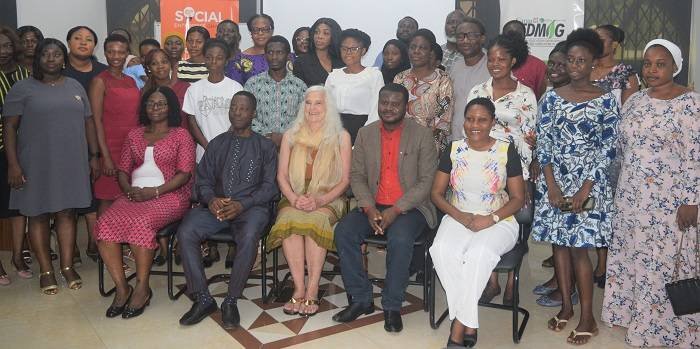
<point x="544" y="28"/>
<point x="199" y="16"/>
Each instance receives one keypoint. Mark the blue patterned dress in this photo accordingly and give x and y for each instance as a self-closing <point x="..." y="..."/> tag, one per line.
<point x="660" y="149"/>
<point x="578" y="140"/>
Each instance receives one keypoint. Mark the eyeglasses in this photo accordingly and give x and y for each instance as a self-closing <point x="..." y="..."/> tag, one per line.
<point x="469" y="35"/>
<point x="263" y="30"/>
<point x="158" y="105"/>
<point x="348" y="50"/>
<point x="300" y="39"/>
<point x="576" y="61"/>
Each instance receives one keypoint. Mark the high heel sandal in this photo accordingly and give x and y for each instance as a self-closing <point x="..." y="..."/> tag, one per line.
<point x="24" y="273"/>
<point x="51" y="289"/>
<point x="72" y="284"/>
<point x="293" y="301"/>
<point x="309" y="302"/>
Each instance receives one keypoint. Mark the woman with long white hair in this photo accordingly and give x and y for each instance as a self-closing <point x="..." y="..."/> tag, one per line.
<point x="313" y="174"/>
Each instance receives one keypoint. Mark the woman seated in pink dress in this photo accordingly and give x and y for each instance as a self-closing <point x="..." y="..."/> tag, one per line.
<point x="154" y="175"/>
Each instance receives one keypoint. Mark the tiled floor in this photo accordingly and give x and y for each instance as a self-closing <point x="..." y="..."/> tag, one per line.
<point x="75" y="319"/>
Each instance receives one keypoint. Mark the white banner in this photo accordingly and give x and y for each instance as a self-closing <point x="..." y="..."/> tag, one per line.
<point x="546" y="22"/>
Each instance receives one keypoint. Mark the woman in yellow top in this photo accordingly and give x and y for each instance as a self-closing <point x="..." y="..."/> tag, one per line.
<point x="313" y="174"/>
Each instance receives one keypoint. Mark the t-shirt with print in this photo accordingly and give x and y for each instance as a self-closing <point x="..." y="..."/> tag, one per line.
<point x="209" y="103"/>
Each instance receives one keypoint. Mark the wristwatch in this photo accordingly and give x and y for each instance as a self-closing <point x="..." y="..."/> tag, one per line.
<point x="495" y="218"/>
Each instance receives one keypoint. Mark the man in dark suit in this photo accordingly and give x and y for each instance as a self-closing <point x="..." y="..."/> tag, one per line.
<point x="393" y="164"/>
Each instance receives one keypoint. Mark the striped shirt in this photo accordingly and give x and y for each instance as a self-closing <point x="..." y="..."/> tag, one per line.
<point x="191" y="72"/>
<point x="6" y="82"/>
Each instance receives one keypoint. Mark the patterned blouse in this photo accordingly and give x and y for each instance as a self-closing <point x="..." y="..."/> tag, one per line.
<point x="516" y="113"/>
<point x="278" y="102"/>
<point x="617" y="80"/>
<point x="478" y="178"/>
<point x="430" y="102"/>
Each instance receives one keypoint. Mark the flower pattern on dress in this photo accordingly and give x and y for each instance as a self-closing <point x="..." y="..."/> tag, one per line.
<point x="617" y="78"/>
<point x="515" y="117"/>
<point x="430" y="102"/>
<point x="659" y="146"/>
<point x="578" y="141"/>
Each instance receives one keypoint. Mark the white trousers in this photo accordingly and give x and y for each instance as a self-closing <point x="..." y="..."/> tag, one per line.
<point x="464" y="261"/>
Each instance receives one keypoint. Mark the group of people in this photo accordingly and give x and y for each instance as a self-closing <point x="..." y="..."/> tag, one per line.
<point x="455" y="138"/>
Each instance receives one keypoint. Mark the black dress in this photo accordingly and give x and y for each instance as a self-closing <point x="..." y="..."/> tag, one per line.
<point x="308" y="68"/>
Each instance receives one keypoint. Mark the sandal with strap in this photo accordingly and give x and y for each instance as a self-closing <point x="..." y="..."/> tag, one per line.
<point x="309" y="302"/>
<point x="5" y="280"/>
<point x="293" y="301"/>
<point x="22" y="273"/>
<point x="556" y="324"/>
<point x="50" y="289"/>
<point x="74" y="284"/>
<point x="572" y="338"/>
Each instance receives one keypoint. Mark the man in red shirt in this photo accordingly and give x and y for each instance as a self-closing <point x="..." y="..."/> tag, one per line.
<point x="393" y="164"/>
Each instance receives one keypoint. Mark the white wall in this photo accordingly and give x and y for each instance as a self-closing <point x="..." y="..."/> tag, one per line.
<point x="378" y="18"/>
<point x="55" y="18"/>
<point x="694" y="72"/>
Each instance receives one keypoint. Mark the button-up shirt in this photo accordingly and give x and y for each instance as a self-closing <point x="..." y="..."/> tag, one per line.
<point x="389" y="190"/>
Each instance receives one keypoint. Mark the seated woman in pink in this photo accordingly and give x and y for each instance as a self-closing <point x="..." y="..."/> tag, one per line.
<point x="154" y="175"/>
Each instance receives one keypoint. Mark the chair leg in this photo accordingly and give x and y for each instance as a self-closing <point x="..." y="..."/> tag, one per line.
<point x="170" y="256"/>
<point x="263" y="272"/>
<point x="275" y="271"/>
<point x="101" y="277"/>
<point x="426" y="282"/>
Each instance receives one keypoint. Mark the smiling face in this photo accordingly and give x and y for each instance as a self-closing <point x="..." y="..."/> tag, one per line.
<point x="51" y="61"/>
<point x="391" y="107"/>
<point x="195" y="44"/>
<point x="228" y="32"/>
<point x="351" y="51"/>
<point x="315" y="107"/>
<point x="241" y="112"/>
<point x="116" y="53"/>
<point x="392" y="56"/>
<point x="556" y="69"/>
<point x="419" y="52"/>
<point x="658" y="66"/>
<point x="174" y="47"/>
<point x="81" y="44"/>
<point x="579" y="63"/>
<point x="469" y="39"/>
<point x="29" y="42"/>
<point x="322" y="36"/>
<point x="215" y="60"/>
<point x="7" y="51"/>
<point x="405" y="29"/>
<point x="478" y="123"/>
<point x="499" y="63"/>
<point x="157" y="108"/>
<point x="159" y="66"/>
<point x="302" y="42"/>
<point x="261" y="31"/>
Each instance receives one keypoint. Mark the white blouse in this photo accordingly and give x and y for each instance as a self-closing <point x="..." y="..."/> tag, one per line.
<point x="148" y="174"/>
<point x="356" y="94"/>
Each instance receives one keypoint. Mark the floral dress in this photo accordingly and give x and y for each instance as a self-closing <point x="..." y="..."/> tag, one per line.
<point x="430" y="102"/>
<point x="515" y="117"/>
<point x="616" y="80"/>
<point x="578" y="141"/>
<point x="659" y="143"/>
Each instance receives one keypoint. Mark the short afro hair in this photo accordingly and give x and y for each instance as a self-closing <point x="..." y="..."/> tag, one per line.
<point x="250" y="96"/>
<point x="279" y="39"/>
<point x="484" y="102"/>
<point x="427" y="34"/>
<point x="394" y="87"/>
<point x="586" y="38"/>
<point x="211" y="43"/>
<point x="358" y="35"/>
<point x="514" y="44"/>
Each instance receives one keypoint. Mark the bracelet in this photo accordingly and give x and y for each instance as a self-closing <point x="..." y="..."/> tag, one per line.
<point x="157" y="193"/>
<point x="95" y="155"/>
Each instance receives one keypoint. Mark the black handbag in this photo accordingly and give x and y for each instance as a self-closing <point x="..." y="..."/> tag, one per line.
<point x="685" y="294"/>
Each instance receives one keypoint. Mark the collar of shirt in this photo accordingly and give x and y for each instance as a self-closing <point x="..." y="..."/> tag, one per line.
<point x="387" y="132"/>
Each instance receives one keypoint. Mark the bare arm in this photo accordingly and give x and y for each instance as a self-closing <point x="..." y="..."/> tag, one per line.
<point x="283" y="171"/>
<point x="96" y="95"/>
<point x="633" y="87"/>
<point x="15" y="176"/>
<point x="197" y="132"/>
<point x="93" y="147"/>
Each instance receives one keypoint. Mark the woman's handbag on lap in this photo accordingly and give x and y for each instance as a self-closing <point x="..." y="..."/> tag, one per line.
<point x="685" y="294"/>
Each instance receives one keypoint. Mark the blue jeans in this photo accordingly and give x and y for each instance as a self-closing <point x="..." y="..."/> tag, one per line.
<point x="352" y="230"/>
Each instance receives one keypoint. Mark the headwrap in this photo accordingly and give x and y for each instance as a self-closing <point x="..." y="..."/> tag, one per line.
<point x="672" y="48"/>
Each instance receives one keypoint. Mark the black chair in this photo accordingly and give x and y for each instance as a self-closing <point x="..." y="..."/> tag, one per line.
<point x="510" y="262"/>
<point x="169" y="232"/>
<point x="224" y="236"/>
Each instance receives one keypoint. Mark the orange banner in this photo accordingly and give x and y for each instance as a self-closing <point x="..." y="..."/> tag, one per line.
<point x="178" y="15"/>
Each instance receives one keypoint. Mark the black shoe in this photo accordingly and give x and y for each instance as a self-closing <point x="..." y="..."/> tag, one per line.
<point x="114" y="310"/>
<point x="392" y="321"/>
<point x="229" y="315"/>
<point x="131" y="312"/>
<point x="353" y="311"/>
<point x="159" y="260"/>
<point x="470" y="340"/>
<point x="197" y="313"/>
<point x="599" y="280"/>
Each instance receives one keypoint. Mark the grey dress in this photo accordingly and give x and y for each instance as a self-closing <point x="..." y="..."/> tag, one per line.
<point x="51" y="145"/>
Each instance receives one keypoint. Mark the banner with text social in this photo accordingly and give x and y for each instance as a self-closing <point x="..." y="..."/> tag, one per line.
<point x="546" y="22"/>
<point x="179" y="15"/>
